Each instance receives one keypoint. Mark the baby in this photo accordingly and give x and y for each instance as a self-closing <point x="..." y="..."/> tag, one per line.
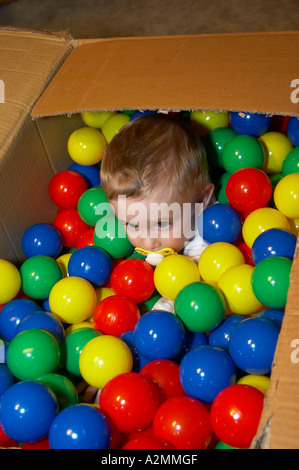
<point x="155" y="175"/>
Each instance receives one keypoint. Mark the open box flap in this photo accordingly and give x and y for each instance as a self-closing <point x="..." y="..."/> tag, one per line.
<point x="252" y="72"/>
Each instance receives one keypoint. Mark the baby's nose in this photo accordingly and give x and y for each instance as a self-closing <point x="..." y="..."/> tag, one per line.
<point x="151" y="244"/>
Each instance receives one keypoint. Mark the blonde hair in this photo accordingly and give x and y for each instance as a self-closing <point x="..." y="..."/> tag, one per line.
<point x="151" y="152"/>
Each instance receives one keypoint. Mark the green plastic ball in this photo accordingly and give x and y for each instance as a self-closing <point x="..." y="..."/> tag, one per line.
<point x="32" y="353"/>
<point x="270" y="281"/>
<point x="200" y="306"/>
<point x="89" y="207"/>
<point x="242" y="151"/>
<point x="111" y="236"/>
<point x="215" y="142"/>
<point x="64" y="390"/>
<point x="291" y="162"/>
<point x="38" y="275"/>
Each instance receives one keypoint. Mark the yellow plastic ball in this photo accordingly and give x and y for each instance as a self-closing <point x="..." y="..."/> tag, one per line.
<point x="63" y="262"/>
<point x="10" y="281"/>
<point x="173" y="273"/>
<point x="261" y="382"/>
<point x="72" y="299"/>
<point x="96" y="119"/>
<point x="103" y="358"/>
<point x="218" y="258"/>
<point x="235" y="285"/>
<point x="286" y="195"/>
<point x="113" y="124"/>
<point x="86" y="146"/>
<point x="260" y="220"/>
<point x="79" y="326"/>
<point x="103" y="292"/>
<point x="205" y="121"/>
<point x="276" y="146"/>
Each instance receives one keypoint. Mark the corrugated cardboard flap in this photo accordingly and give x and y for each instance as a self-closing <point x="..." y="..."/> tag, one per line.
<point x="243" y="71"/>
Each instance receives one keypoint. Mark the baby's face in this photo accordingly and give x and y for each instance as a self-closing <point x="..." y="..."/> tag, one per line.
<point x="157" y="221"/>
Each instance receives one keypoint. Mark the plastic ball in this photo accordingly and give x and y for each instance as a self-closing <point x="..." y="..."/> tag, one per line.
<point x="63" y="262"/>
<point x="103" y="358"/>
<point x="62" y="387"/>
<point x="86" y="146"/>
<point x="271" y="280"/>
<point x="133" y="278"/>
<point x="39" y="274"/>
<point x="291" y="162"/>
<point x="11" y="315"/>
<point x="276" y="146"/>
<point x="273" y="242"/>
<point x="205" y="371"/>
<point x="96" y="119"/>
<point x="216" y="259"/>
<point x="220" y="336"/>
<point x="91" y="174"/>
<point x="10" y="281"/>
<point x="166" y="375"/>
<point x="146" y="442"/>
<point x="113" y="124"/>
<point x="261" y="382"/>
<point x="159" y="335"/>
<point x="214" y="143"/>
<point x="6" y="441"/>
<point x="139" y="361"/>
<point x="248" y="189"/>
<point x="32" y="353"/>
<point x="235" y="414"/>
<point x="242" y="151"/>
<point x="70" y="226"/>
<point x="260" y="220"/>
<point x="293" y="130"/>
<point x="72" y="346"/>
<point x="115" y="315"/>
<point x="86" y="238"/>
<point x="235" y="284"/>
<point x="274" y="315"/>
<point x="66" y="187"/>
<point x="286" y="195"/>
<point x="112" y="238"/>
<point x="200" y="306"/>
<point x="90" y="204"/>
<point x="252" y="345"/>
<point x="254" y="124"/>
<point x="72" y="299"/>
<point x="80" y="426"/>
<point x="173" y="273"/>
<point x="41" y="239"/>
<point x="220" y="188"/>
<point x="44" y="321"/>
<point x="27" y="411"/>
<point x="91" y="263"/>
<point x="130" y="400"/>
<point x="184" y="422"/>
<point x="6" y="379"/>
<point x="220" y="223"/>
<point x="205" y="121"/>
<point x="144" y="112"/>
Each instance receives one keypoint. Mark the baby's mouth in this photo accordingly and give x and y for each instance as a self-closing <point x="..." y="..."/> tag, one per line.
<point x="155" y="257"/>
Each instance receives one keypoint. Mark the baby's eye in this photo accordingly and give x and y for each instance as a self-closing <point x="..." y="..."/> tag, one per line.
<point x="132" y="226"/>
<point x="163" y="224"/>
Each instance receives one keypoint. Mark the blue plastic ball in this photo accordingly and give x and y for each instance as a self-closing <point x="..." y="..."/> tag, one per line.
<point x="91" y="263"/>
<point x="91" y="173"/>
<point x="41" y="239"/>
<point x="159" y="335"/>
<point x="27" y="411"/>
<point x="293" y="130"/>
<point x="252" y="345"/>
<point x="272" y="314"/>
<point x="12" y="313"/>
<point x="139" y="360"/>
<point x="254" y="124"/>
<point x="205" y="371"/>
<point x="273" y="242"/>
<point x="80" y="426"/>
<point x="6" y="379"/>
<point x="43" y="321"/>
<point x="145" y="112"/>
<point x="219" y="223"/>
<point x="220" y="337"/>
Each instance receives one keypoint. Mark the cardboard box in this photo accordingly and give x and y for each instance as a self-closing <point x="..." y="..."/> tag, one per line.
<point x="255" y="72"/>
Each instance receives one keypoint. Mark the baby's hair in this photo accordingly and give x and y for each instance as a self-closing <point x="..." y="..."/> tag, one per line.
<point x="152" y="152"/>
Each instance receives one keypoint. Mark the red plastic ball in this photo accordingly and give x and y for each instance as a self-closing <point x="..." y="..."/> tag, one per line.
<point x="115" y="315"/>
<point x="184" y="422"/>
<point x="66" y="187"/>
<point x="235" y="414"/>
<point x="86" y="239"/>
<point x="130" y="400"/>
<point x="43" y="444"/>
<point x="133" y="278"/>
<point x="146" y="442"/>
<point x="6" y="441"/>
<point x="165" y="374"/>
<point x="70" y="226"/>
<point x="248" y="189"/>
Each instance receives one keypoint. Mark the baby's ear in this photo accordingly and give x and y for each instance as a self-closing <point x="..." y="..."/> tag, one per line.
<point x="208" y="196"/>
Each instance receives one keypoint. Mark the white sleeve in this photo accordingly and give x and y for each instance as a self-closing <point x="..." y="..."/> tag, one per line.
<point x="164" y="304"/>
<point x="195" y="247"/>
